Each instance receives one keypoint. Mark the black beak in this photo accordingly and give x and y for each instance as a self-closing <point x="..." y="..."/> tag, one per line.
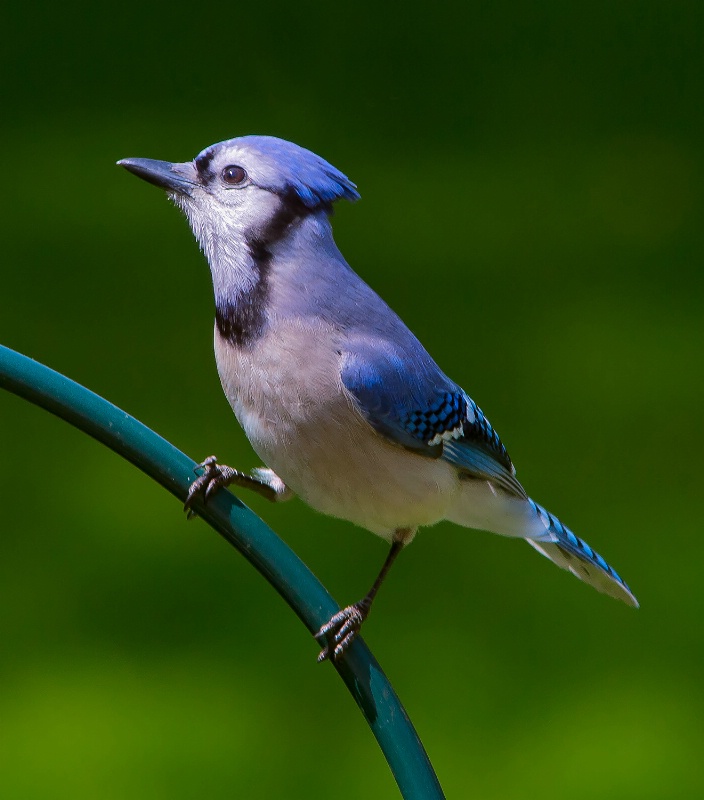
<point x="178" y="178"/>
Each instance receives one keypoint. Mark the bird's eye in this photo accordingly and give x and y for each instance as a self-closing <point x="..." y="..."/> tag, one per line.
<point x="234" y="175"/>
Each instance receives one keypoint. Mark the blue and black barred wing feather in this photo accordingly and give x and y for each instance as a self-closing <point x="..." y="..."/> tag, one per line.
<point x="478" y="449"/>
<point x="416" y="405"/>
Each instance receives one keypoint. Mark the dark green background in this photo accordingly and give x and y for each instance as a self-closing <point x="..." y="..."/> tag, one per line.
<point x="531" y="176"/>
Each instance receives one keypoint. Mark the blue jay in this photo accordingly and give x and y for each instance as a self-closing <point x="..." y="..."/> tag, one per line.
<point x="338" y="398"/>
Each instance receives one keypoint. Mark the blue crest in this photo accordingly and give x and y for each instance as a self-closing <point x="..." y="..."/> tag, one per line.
<point x="283" y="166"/>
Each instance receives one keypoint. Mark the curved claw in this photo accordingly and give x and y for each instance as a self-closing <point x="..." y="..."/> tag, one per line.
<point x="212" y="486"/>
<point x="205" y="463"/>
<point x="339" y="632"/>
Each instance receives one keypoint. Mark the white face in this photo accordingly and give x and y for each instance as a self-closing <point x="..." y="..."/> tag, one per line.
<point x="223" y="199"/>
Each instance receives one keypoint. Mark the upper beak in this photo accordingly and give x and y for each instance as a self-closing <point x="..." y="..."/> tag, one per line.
<point x="177" y="177"/>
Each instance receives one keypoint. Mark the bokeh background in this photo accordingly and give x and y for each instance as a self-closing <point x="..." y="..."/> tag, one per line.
<point x="531" y="176"/>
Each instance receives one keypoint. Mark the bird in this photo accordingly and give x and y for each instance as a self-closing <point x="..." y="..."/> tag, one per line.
<point x="338" y="398"/>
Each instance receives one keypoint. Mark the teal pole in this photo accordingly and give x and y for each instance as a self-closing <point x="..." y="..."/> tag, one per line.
<point x="225" y="513"/>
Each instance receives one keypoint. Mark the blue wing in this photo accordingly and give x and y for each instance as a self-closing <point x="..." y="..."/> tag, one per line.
<point x="409" y="400"/>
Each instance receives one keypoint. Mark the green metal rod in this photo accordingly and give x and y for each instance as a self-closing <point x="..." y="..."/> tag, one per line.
<point x="253" y="538"/>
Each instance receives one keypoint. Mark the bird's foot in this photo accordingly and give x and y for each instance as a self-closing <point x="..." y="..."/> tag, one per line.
<point x="214" y="476"/>
<point x="339" y="632"/>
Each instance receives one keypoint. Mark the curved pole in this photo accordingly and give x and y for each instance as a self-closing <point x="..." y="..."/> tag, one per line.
<point x="247" y="533"/>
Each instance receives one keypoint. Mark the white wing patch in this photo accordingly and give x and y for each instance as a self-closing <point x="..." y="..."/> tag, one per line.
<point x="446" y="436"/>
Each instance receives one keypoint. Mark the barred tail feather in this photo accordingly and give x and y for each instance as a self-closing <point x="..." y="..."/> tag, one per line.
<point x="568" y="551"/>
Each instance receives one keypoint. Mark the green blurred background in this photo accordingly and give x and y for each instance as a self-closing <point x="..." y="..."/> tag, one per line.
<point x="531" y="176"/>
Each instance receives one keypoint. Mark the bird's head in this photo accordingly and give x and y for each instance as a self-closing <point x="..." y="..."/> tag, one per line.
<point x="239" y="186"/>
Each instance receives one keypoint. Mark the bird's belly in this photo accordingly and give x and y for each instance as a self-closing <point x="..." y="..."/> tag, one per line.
<point x="345" y="469"/>
<point x="310" y="434"/>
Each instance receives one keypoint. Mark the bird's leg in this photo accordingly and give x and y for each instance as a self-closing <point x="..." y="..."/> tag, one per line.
<point x="214" y="476"/>
<point x="341" y="629"/>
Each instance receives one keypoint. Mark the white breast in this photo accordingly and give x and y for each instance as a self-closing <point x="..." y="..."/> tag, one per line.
<point x="287" y="394"/>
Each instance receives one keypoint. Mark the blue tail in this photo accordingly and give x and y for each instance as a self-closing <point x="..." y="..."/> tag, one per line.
<point x="568" y="551"/>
